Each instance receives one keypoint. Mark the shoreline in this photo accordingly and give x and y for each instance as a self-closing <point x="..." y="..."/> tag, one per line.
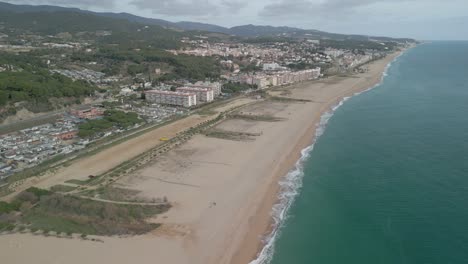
<point x="264" y="224"/>
<point x="222" y="190"/>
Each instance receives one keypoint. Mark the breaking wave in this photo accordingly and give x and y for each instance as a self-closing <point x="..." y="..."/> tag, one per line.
<point x="292" y="183"/>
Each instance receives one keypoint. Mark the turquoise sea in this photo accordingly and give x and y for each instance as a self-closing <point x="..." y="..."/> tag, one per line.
<point x="387" y="182"/>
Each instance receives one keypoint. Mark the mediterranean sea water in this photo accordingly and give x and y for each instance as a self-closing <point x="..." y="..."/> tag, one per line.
<point x="388" y="180"/>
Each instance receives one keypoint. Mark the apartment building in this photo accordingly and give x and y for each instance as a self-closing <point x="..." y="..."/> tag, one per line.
<point x="203" y="94"/>
<point x="215" y="86"/>
<point x="261" y="82"/>
<point x="171" y="98"/>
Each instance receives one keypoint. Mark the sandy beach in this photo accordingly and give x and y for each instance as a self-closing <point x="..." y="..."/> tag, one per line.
<point x="222" y="190"/>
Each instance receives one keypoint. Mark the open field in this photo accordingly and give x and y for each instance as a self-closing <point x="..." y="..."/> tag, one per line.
<point x="221" y="191"/>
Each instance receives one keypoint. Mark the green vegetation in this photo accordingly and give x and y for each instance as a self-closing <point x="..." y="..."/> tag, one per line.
<point x="112" y="118"/>
<point x="52" y="212"/>
<point x="231" y="87"/>
<point x="118" y="194"/>
<point x="93" y="127"/>
<point x="287" y="99"/>
<point x="38" y="192"/>
<point x="79" y="25"/>
<point x="77" y="182"/>
<point x="185" y="67"/>
<point x="266" y="40"/>
<point x="6" y="226"/>
<point x="26" y="61"/>
<point x="250" y="68"/>
<point x="38" y="86"/>
<point x="7" y="207"/>
<point x="27" y="79"/>
<point x="43" y="221"/>
<point x="206" y="112"/>
<point x="135" y="69"/>
<point x="264" y="118"/>
<point x="231" y="135"/>
<point x="62" y="188"/>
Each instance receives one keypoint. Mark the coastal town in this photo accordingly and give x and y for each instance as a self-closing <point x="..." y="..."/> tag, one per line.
<point x="233" y="132"/>
<point x="250" y="67"/>
<point x="136" y="140"/>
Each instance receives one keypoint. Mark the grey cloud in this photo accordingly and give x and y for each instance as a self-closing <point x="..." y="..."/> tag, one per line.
<point x="234" y="6"/>
<point x="192" y="8"/>
<point x="287" y="8"/>
<point x="68" y="3"/>
<point x="308" y="7"/>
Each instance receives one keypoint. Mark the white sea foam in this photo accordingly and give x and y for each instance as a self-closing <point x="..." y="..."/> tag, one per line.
<point x="292" y="183"/>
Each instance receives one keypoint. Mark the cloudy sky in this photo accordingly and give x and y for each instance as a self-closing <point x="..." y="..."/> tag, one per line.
<point x="422" y="19"/>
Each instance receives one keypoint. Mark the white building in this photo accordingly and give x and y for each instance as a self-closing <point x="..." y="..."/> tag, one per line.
<point x="261" y="82"/>
<point x="271" y="67"/>
<point x="126" y="91"/>
<point x="215" y="86"/>
<point x="203" y="94"/>
<point x="334" y="53"/>
<point x="272" y="80"/>
<point x="171" y="98"/>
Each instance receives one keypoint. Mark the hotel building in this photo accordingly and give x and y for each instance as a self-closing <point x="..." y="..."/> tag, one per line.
<point x="171" y="98"/>
<point x="203" y="94"/>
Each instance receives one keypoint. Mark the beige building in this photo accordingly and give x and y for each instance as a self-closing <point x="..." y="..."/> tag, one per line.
<point x="215" y="86"/>
<point x="279" y="78"/>
<point x="171" y="98"/>
<point x="203" y="94"/>
<point x="261" y="82"/>
<point x="272" y="80"/>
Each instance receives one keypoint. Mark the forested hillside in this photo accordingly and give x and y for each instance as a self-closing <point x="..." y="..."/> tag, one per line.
<point x="88" y="26"/>
<point x="26" y="78"/>
<point x="241" y="31"/>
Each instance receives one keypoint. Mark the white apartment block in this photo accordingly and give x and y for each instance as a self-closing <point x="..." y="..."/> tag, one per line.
<point x="279" y="78"/>
<point x="299" y="76"/>
<point x="271" y="66"/>
<point x="203" y="94"/>
<point x="261" y="82"/>
<point x="272" y="80"/>
<point x="215" y="86"/>
<point x="171" y="98"/>
<point x="247" y="79"/>
<point x="334" y="52"/>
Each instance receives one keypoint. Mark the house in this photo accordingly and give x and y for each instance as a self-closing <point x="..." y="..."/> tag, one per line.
<point x="88" y="112"/>
<point x="67" y="135"/>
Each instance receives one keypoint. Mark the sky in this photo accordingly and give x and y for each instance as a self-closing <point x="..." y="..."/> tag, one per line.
<point x="420" y="19"/>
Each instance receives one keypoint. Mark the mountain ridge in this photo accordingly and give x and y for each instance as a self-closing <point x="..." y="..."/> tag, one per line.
<point x="240" y="31"/>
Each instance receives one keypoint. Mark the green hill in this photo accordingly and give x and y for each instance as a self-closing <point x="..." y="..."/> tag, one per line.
<point x="81" y="25"/>
<point x="26" y="79"/>
<point x="249" y="31"/>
